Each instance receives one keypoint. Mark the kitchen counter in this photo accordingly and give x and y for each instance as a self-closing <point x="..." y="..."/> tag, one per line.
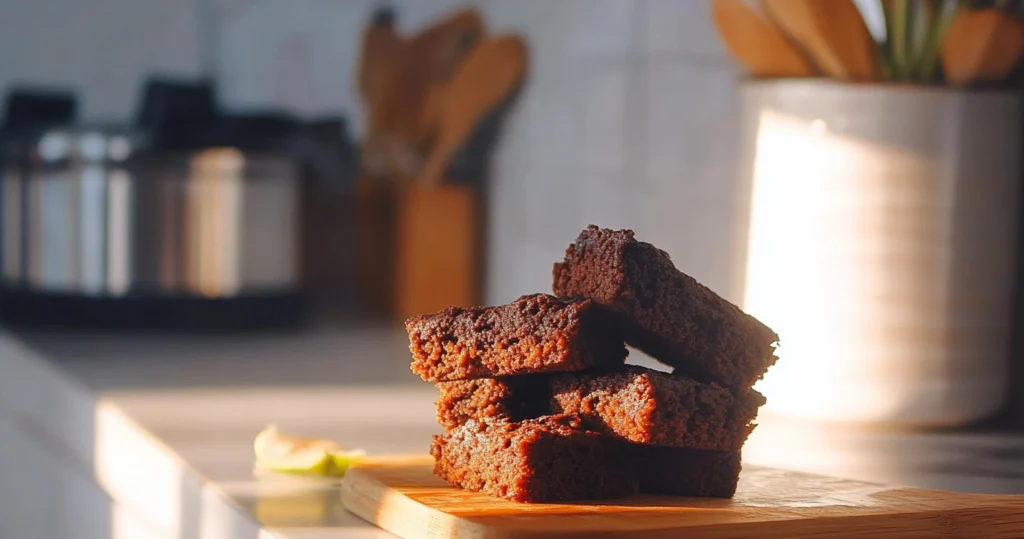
<point x="160" y="445"/>
<point x="151" y="436"/>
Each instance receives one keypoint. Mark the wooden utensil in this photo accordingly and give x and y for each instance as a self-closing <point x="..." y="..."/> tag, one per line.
<point x="437" y="250"/>
<point x="380" y="48"/>
<point x="490" y="73"/>
<point x="444" y="44"/>
<point x="847" y="32"/>
<point x="756" y="42"/>
<point x="390" y="92"/>
<point x="438" y="48"/>
<point x="441" y="48"/>
<point x="833" y="33"/>
<point x="981" y="46"/>
<point x="1005" y="50"/>
<point x="398" y="77"/>
<point x="966" y="43"/>
<point x="401" y="495"/>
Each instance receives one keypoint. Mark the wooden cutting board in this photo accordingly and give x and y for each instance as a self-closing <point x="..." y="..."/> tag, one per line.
<point x="401" y="495"/>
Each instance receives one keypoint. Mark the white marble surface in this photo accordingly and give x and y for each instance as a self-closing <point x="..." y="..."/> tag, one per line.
<point x="78" y="466"/>
<point x="218" y="442"/>
<point x="155" y="445"/>
<point x="150" y="436"/>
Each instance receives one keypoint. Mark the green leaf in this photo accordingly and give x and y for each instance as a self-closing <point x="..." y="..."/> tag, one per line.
<point x="941" y="17"/>
<point x="896" y="28"/>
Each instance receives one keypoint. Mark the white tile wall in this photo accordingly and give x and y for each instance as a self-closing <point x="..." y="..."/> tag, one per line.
<point x="594" y="28"/>
<point x="690" y="110"/>
<point x="605" y="92"/>
<point x="552" y="114"/>
<point x="673" y="27"/>
<point x="299" y="54"/>
<point x="103" y="48"/>
<point x="628" y="121"/>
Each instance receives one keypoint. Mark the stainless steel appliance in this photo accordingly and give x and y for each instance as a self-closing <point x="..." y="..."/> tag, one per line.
<point x="86" y="218"/>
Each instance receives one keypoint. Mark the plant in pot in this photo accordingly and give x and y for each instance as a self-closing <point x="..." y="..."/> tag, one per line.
<point x="880" y="182"/>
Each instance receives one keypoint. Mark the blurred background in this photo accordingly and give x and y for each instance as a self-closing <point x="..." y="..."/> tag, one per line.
<point x="254" y="193"/>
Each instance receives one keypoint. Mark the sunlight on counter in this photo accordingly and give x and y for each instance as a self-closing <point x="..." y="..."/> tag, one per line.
<point x="126" y="462"/>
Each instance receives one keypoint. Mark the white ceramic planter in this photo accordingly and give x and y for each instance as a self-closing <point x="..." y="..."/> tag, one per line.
<point x="881" y="247"/>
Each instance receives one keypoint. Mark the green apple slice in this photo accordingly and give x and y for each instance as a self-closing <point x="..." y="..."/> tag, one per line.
<point x="282" y="453"/>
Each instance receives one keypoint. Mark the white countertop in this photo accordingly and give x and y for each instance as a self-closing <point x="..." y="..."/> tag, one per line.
<point x="151" y="436"/>
<point x="151" y="449"/>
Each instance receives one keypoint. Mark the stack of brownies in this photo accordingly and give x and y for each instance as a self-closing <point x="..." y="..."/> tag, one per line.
<point x="537" y="403"/>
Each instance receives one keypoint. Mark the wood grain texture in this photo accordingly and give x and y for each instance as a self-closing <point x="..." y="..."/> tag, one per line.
<point x="398" y="79"/>
<point x="436" y="253"/>
<point x="401" y="495"/>
<point x="966" y="45"/>
<point x="833" y="33"/>
<point x="1005" y="50"/>
<point x="756" y="42"/>
<point x="490" y="73"/>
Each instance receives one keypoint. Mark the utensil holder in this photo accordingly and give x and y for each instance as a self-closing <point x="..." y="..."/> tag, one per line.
<point x="437" y="257"/>
<point x="881" y="246"/>
<point x="419" y="247"/>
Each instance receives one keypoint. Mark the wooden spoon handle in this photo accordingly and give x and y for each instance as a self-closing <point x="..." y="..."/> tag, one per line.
<point x="798" y="19"/>
<point x="966" y="44"/>
<point x="489" y="74"/>
<point x="379" y="51"/>
<point x="849" y="37"/>
<point x="833" y="33"/>
<point x="445" y="43"/>
<point x="1005" y="50"/>
<point x="757" y="43"/>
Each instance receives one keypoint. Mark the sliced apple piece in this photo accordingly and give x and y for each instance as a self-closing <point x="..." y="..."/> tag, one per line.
<point x="278" y="452"/>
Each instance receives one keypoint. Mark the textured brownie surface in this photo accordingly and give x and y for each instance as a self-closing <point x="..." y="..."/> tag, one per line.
<point x="510" y="399"/>
<point x="663" y="311"/>
<point x="645" y="406"/>
<point x="537" y="333"/>
<point x="684" y="472"/>
<point x="539" y="460"/>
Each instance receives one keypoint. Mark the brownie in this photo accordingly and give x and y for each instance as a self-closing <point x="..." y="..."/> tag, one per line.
<point x="534" y="334"/>
<point x="510" y="399"/>
<point x="649" y="407"/>
<point x="663" y="311"/>
<point x="683" y="472"/>
<point x="640" y="405"/>
<point x="547" y="459"/>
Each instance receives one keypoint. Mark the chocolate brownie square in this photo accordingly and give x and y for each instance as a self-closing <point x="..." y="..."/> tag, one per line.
<point x="683" y="472"/>
<point x="547" y="459"/>
<point x="509" y="399"/>
<point x="663" y="311"/>
<point x="645" y="406"/>
<point x="534" y="334"/>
